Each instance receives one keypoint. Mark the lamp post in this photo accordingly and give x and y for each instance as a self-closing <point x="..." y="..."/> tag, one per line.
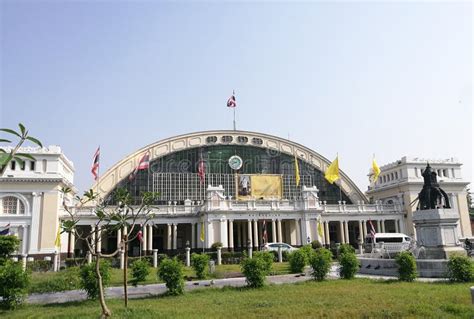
<point x="188" y="254"/>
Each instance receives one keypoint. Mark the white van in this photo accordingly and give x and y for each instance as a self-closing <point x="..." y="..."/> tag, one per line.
<point x="392" y="242"/>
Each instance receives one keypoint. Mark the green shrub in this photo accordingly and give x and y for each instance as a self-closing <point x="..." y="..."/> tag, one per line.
<point x="8" y="244"/>
<point x="89" y="278"/>
<point x="460" y="268"/>
<point x="216" y="245"/>
<point x="200" y="263"/>
<point x="406" y="266"/>
<point x="267" y="257"/>
<point x="346" y="248"/>
<point x="254" y="270"/>
<point x="140" y="270"/>
<point x="349" y="265"/>
<point x="39" y="265"/>
<point x="315" y="244"/>
<point x="321" y="263"/>
<point x="67" y="279"/>
<point x="298" y="260"/>
<point x="171" y="272"/>
<point x="75" y="262"/>
<point x="308" y="251"/>
<point x="13" y="284"/>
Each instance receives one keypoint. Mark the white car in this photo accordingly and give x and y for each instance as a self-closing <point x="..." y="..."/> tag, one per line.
<point x="274" y="247"/>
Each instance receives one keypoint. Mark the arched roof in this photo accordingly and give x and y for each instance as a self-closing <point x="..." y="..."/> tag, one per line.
<point x="124" y="167"/>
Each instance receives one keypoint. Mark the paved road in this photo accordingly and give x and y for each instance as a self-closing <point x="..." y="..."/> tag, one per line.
<point x="158" y="289"/>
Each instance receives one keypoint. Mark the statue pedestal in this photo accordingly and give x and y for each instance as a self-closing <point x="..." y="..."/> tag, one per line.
<point x="436" y="230"/>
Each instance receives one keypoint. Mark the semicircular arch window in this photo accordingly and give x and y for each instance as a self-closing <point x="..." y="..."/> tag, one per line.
<point x="12" y="205"/>
<point x="211" y="139"/>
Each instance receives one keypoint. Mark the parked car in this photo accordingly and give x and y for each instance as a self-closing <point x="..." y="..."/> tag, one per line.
<point x="274" y="247"/>
<point x="392" y="242"/>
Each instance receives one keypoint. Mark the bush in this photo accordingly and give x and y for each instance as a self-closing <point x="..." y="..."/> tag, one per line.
<point x="171" y="272"/>
<point x="255" y="270"/>
<point x="460" y="268"/>
<point x="346" y="248"/>
<point x="267" y="257"/>
<point x="308" y="251"/>
<point x="67" y="279"/>
<point x="200" y="263"/>
<point x="406" y="266"/>
<point x="298" y="260"/>
<point x="315" y="244"/>
<point x="321" y="263"/>
<point x="349" y="265"/>
<point x="39" y="265"/>
<point x="89" y="278"/>
<point x="216" y="245"/>
<point x="8" y="244"/>
<point x="140" y="270"/>
<point x="13" y="284"/>
<point x="74" y="262"/>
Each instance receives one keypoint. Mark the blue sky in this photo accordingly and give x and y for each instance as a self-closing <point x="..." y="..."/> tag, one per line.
<point x="357" y="78"/>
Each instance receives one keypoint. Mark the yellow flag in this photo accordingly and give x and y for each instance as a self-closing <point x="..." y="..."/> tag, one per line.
<point x="376" y="170"/>
<point x="57" y="242"/>
<point x="332" y="173"/>
<point x="320" y="229"/>
<point x="202" y="232"/>
<point x="297" y="171"/>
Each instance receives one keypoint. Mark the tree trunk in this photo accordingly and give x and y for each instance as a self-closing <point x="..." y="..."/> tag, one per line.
<point x="125" y="270"/>
<point x="105" y="310"/>
<point x="69" y="245"/>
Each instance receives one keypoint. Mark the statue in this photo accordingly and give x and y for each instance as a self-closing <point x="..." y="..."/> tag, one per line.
<point x="431" y="195"/>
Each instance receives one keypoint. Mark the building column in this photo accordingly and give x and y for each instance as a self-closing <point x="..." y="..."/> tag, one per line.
<point x="168" y="244"/>
<point x="341" y="231"/>
<point x="144" y="239"/>
<point x="175" y="236"/>
<point x="299" y="241"/>
<point x="193" y="235"/>
<point x="231" y="234"/>
<point x="249" y="233"/>
<point x="361" y="232"/>
<point x="274" y="231"/>
<point x="150" y="238"/>
<point x="24" y="240"/>
<point x="255" y="233"/>
<point x="346" y="231"/>
<point x="379" y="229"/>
<point x="397" y="229"/>
<point x="119" y="237"/>
<point x="224" y="233"/>
<point x="199" y="243"/>
<point x="364" y="225"/>
<point x="321" y="237"/>
<point x="35" y="220"/>
<point x="239" y="234"/>
<point x="383" y="225"/>
<point x="279" y="232"/>
<point x="328" y="236"/>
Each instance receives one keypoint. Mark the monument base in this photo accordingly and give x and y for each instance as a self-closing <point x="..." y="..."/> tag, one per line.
<point x="437" y="231"/>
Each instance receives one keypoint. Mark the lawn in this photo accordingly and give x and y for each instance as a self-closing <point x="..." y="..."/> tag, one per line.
<point x="67" y="280"/>
<point x="334" y="298"/>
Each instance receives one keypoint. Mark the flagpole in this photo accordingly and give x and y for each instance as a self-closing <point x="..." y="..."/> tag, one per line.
<point x="234" y="120"/>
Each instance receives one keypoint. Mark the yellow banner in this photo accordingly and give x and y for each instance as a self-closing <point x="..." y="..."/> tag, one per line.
<point x="259" y="186"/>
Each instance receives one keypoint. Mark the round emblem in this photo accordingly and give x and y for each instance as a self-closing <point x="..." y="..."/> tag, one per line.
<point x="235" y="162"/>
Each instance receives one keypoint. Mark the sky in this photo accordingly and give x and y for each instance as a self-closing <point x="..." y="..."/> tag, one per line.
<point x="348" y="78"/>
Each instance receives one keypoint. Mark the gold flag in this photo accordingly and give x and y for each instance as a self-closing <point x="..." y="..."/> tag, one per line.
<point x="202" y="232"/>
<point x="320" y="229"/>
<point x="297" y="171"/>
<point x="332" y="173"/>
<point x="376" y="170"/>
<point x="266" y="186"/>
<point x="57" y="242"/>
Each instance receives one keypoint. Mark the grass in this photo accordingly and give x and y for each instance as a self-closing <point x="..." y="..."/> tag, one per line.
<point x="69" y="279"/>
<point x="360" y="298"/>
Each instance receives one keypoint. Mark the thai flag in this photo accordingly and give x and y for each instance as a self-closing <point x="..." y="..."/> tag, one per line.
<point x="372" y="229"/>
<point x="95" y="164"/>
<point x="144" y="163"/>
<point x="231" y="101"/>
<point x="6" y="231"/>
<point x="201" y="171"/>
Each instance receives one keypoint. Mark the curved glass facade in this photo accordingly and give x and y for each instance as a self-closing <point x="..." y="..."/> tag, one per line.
<point x="175" y="175"/>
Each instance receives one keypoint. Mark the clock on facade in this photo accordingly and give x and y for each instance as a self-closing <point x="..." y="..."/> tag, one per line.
<point x="235" y="162"/>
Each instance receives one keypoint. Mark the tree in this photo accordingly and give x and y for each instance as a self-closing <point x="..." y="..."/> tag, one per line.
<point x="6" y="158"/>
<point x="110" y="217"/>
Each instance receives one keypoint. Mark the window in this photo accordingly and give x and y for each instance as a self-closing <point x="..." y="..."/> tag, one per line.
<point x="396" y="175"/>
<point x="32" y="165"/>
<point x="227" y="139"/>
<point x="211" y="139"/>
<point x="242" y="139"/>
<point x="12" y="205"/>
<point x="23" y="165"/>
<point x="257" y="141"/>
<point x="445" y="173"/>
<point x="12" y="165"/>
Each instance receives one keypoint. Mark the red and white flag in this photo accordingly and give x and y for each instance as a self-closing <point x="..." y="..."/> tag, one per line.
<point x="140" y="235"/>
<point x="95" y="164"/>
<point x="201" y="171"/>
<point x="231" y="101"/>
<point x="144" y="163"/>
<point x="372" y="229"/>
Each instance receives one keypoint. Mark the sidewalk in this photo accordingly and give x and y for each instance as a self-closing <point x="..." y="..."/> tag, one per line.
<point x="142" y="291"/>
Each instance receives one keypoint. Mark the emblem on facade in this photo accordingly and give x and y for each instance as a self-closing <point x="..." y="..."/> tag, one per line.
<point x="235" y="162"/>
